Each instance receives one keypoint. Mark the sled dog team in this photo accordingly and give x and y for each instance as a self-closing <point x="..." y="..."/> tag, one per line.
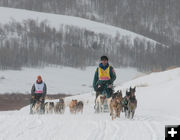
<point x="57" y="107"/>
<point x="105" y="101"/>
<point x="117" y="104"/>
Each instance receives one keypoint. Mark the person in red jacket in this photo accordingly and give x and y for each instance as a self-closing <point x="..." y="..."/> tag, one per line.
<point x="38" y="93"/>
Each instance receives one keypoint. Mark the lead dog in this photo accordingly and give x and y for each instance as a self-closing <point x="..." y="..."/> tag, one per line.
<point x="100" y="103"/>
<point x="132" y="104"/>
<point x="49" y="107"/>
<point x="80" y="106"/>
<point x="73" y="106"/>
<point x="36" y="109"/>
<point x="59" y="107"/>
<point x="116" y="105"/>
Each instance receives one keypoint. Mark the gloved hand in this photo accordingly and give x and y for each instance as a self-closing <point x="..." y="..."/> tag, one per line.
<point x="110" y="86"/>
<point x="98" y="87"/>
<point x="40" y="99"/>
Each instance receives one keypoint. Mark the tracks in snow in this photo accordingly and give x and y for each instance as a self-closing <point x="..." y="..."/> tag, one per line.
<point x="20" y="125"/>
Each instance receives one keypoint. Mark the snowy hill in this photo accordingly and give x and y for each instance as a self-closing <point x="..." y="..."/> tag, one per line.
<point x="157" y="107"/>
<point x="54" y="20"/>
<point x="43" y="38"/>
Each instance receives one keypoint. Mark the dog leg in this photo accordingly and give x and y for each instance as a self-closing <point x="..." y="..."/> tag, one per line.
<point x="102" y="107"/>
<point x="109" y="102"/>
<point x="129" y="112"/>
<point x="133" y="114"/>
<point x="126" y="113"/>
<point x="110" y="110"/>
<point x="118" y="112"/>
<point x="112" y="114"/>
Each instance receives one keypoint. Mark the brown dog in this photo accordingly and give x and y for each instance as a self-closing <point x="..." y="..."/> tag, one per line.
<point x="73" y="106"/>
<point x="59" y="107"/>
<point x="116" y="105"/>
<point x="132" y="103"/>
<point x="79" y="106"/>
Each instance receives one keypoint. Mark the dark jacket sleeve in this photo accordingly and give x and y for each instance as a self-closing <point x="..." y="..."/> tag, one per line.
<point x="95" y="79"/>
<point x="112" y="75"/>
<point x="33" y="90"/>
<point x="44" y="90"/>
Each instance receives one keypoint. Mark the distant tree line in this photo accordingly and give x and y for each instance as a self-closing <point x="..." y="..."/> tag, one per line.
<point x="156" y="19"/>
<point x="36" y="44"/>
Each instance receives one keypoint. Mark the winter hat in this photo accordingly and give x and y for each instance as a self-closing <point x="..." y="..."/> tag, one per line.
<point x="39" y="77"/>
<point x="104" y="58"/>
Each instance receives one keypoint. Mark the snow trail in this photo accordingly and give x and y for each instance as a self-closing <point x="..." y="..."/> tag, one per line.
<point x="148" y="123"/>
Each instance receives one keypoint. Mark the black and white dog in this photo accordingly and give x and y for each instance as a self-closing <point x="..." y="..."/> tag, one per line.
<point x="49" y="107"/>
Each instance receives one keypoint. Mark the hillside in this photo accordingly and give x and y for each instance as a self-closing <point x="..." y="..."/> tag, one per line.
<point x="156" y="19"/>
<point x="43" y="39"/>
<point x="56" y="20"/>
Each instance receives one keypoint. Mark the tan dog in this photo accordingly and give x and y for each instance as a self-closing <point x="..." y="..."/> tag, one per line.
<point x="100" y="103"/>
<point x="116" y="105"/>
<point x="60" y="107"/>
<point x="73" y="106"/>
<point x="79" y="106"/>
<point x="36" y="108"/>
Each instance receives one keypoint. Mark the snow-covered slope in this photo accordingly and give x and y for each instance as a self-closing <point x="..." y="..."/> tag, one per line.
<point x="154" y="79"/>
<point x="58" y="79"/>
<point x="158" y="91"/>
<point x="157" y="106"/>
<point x="54" y="20"/>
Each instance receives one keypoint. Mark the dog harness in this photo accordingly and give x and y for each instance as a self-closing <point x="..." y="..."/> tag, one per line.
<point x="39" y="87"/>
<point x="104" y="74"/>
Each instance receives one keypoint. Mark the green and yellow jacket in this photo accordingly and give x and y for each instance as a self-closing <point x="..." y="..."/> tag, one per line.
<point x="104" y="74"/>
